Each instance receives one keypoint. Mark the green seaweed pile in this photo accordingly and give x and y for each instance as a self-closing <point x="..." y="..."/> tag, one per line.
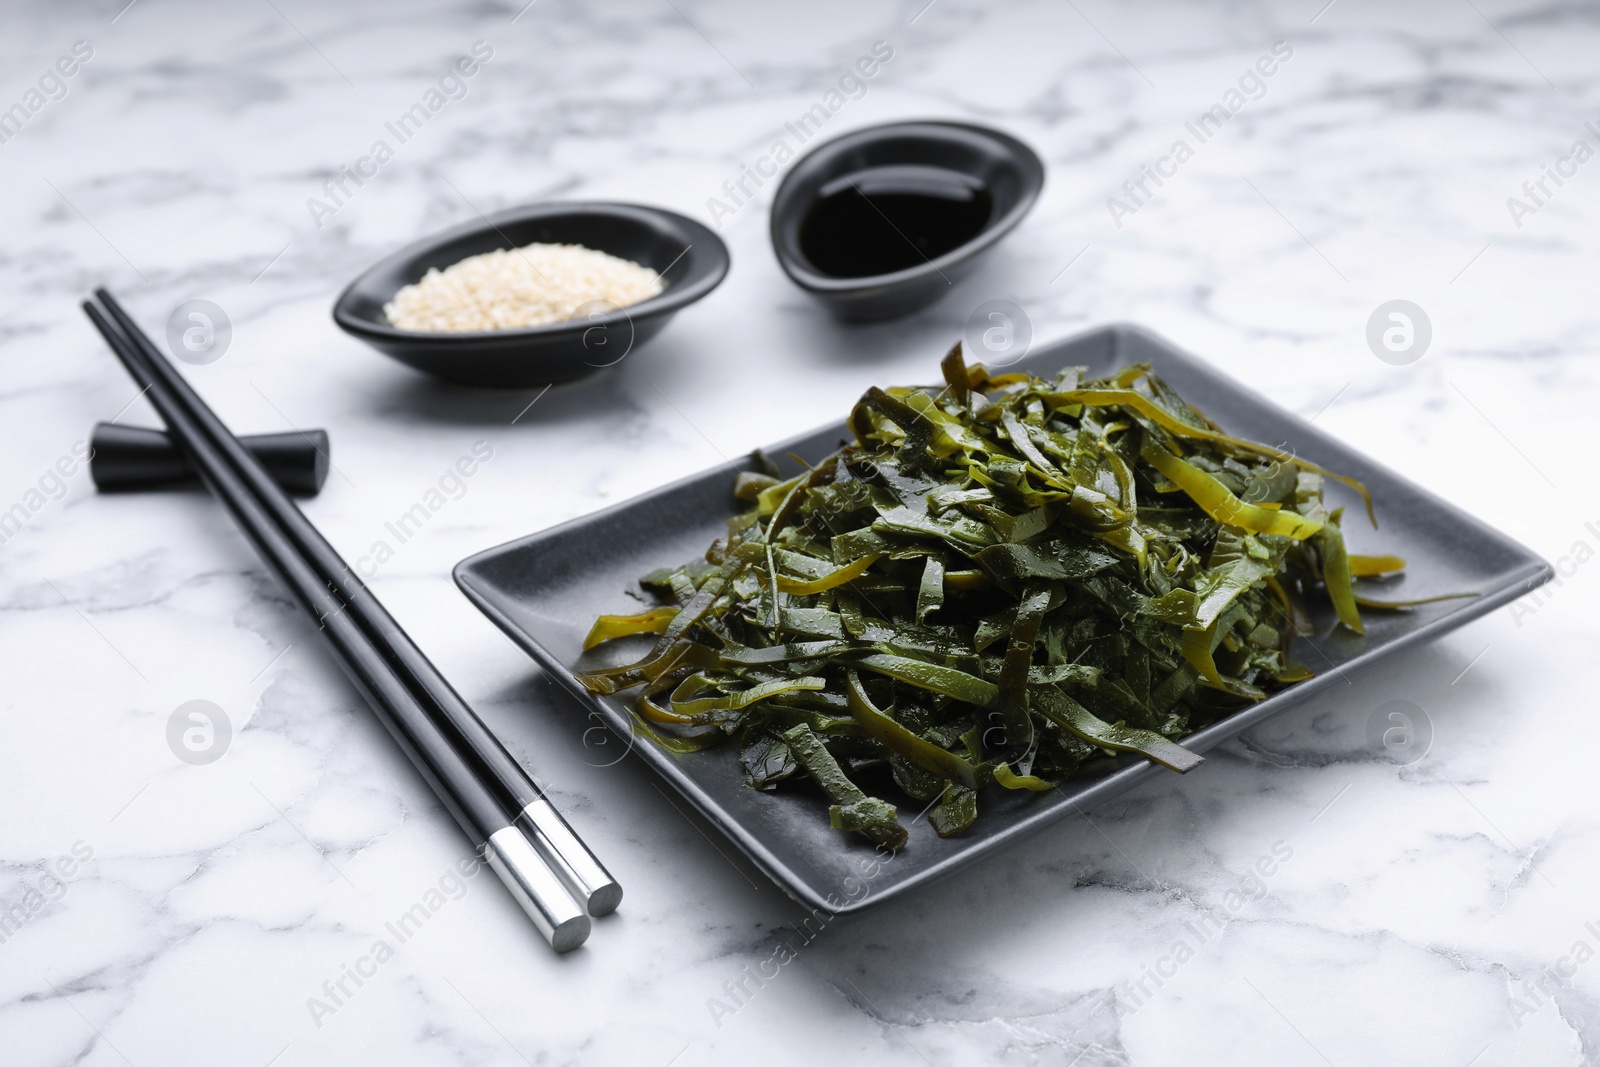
<point x="1007" y="581"/>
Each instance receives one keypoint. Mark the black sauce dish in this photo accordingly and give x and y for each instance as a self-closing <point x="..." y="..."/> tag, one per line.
<point x="691" y="259"/>
<point x="883" y="221"/>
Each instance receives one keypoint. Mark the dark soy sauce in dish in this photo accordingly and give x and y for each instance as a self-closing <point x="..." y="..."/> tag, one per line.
<point x="886" y="219"/>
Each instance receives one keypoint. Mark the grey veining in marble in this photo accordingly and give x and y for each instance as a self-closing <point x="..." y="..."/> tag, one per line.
<point x="249" y="910"/>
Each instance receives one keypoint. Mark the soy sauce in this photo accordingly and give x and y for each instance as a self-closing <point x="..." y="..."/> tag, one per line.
<point x="885" y="219"/>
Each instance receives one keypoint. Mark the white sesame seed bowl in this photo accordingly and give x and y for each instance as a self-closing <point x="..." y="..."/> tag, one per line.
<point x="533" y="295"/>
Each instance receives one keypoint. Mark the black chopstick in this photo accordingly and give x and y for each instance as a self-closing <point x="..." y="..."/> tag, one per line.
<point x="585" y="877"/>
<point x="478" y="810"/>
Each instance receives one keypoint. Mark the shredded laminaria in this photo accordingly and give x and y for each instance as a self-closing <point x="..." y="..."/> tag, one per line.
<point x="1008" y="581"/>
<point x="533" y="285"/>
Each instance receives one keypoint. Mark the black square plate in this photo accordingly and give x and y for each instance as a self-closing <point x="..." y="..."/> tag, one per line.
<point x="546" y="589"/>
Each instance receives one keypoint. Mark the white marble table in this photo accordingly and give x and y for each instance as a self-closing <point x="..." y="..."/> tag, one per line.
<point x="163" y="913"/>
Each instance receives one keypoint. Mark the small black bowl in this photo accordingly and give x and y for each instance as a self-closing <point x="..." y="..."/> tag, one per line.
<point x="691" y="259"/>
<point x="998" y="175"/>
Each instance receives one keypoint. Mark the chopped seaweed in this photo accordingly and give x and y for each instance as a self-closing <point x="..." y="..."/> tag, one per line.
<point x="1004" y="582"/>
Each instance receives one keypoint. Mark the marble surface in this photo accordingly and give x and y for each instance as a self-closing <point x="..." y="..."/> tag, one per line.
<point x="169" y="913"/>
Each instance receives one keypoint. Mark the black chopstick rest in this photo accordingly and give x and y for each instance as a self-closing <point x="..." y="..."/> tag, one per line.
<point x="135" y="457"/>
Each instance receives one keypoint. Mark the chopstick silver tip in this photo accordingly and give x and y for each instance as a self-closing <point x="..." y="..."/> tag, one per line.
<point x="604" y="900"/>
<point x="571" y="934"/>
<point x="577" y="867"/>
<point x="561" y="919"/>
